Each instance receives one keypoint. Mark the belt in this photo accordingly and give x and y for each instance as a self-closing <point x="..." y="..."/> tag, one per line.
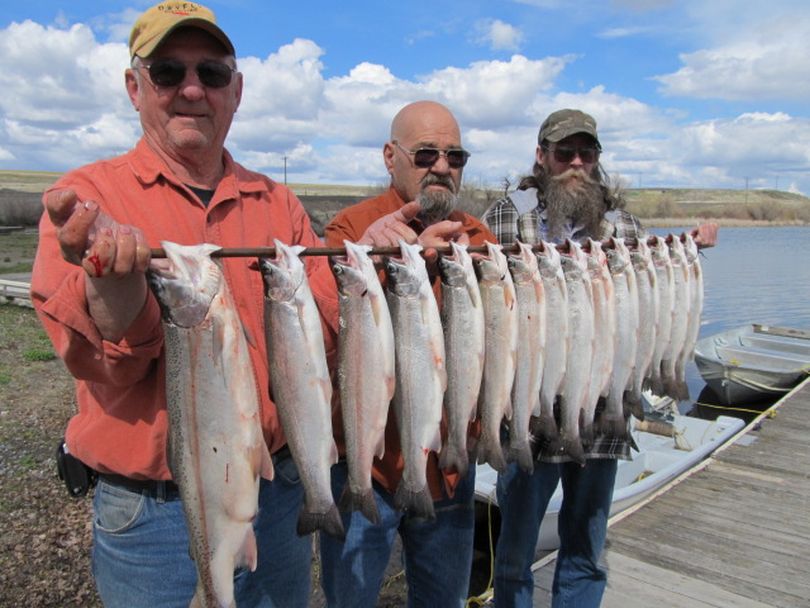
<point x="281" y="454"/>
<point x="167" y="488"/>
<point x="155" y="488"/>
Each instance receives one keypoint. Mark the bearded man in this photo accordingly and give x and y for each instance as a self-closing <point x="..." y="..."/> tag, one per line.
<point x="425" y="160"/>
<point x="566" y="197"/>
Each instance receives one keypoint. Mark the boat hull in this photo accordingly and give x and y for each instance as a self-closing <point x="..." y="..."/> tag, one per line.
<point x="659" y="461"/>
<point x="753" y="363"/>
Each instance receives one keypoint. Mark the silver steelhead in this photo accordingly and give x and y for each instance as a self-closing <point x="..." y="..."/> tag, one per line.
<point x="648" y="307"/>
<point x="365" y="373"/>
<point x="556" y="293"/>
<point x="673" y="382"/>
<point x="421" y="375"/>
<point x="531" y="344"/>
<point x="575" y="387"/>
<point x="300" y="384"/>
<point x="463" y="322"/>
<point x="216" y="448"/>
<point x="500" y="358"/>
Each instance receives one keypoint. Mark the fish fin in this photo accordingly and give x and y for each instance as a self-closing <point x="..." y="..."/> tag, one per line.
<point x="390" y="386"/>
<point x="379" y="451"/>
<point x="333" y="453"/>
<point x="330" y="522"/>
<point x="248" y="553"/>
<point x="360" y="501"/>
<point x="416" y="502"/>
<point x="266" y="469"/>
<point x="376" y="304"/>
<point x="452" y="456"/>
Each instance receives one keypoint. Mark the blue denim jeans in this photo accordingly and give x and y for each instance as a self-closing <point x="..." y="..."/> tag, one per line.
<point x="437" y="554"/>
<point x="141" y="552"/>
<point x="587" y="493"/>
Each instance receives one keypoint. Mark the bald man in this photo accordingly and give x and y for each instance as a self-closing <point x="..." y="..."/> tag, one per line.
<point x="425" y="160"/>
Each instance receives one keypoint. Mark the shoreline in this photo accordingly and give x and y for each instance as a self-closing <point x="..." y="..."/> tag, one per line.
<point x="668" y="222"/>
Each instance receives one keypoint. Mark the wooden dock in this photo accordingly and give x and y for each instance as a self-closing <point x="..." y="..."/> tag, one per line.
<point x="732" y="533"/>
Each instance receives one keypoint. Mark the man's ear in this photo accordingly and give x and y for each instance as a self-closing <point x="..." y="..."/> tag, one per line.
<point x="388" y="157"/>
<point x="540" y="156"/>
<point x="131" y="83"/>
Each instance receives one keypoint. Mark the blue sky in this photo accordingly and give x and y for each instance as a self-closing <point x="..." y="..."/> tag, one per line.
<point x="686" y="94"/>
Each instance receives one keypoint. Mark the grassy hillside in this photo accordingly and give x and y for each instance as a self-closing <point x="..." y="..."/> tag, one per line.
<point x="20" y="192"/>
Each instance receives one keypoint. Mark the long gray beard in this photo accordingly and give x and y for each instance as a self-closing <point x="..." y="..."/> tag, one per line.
<point x="436" y="205"/>
<point x="575" y="197"/>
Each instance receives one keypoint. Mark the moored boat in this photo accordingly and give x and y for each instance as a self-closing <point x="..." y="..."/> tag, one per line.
<point x="666" y="449"/>
<point x="753" y="362"/>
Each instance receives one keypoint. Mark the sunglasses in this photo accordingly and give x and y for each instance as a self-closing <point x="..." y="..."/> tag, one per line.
<point x="171" y="72"/>
<point x="424" y="158"/>
<point x="566" y="154"/>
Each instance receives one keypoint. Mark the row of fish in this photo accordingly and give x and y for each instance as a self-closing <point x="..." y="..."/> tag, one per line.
<point x="515" y="335"/>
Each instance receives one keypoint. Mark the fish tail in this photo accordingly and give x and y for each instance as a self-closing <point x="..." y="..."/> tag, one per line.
<point x="654" y="384"/>
<point x="417" y="502"/>
<point x="491" y="452"/>
<point x="330" y="522"/>
<point x="586" y="435"/>
<point x="632" y="405"/>
<point x="612" y="426"/>
<point x="362" y="501"/>
<point x="677" y="389"/>
<point x="522" y="454"/>
<point x="452" y="456"/>
<point x="544" y="426"/>
<point x="572" y="445"/>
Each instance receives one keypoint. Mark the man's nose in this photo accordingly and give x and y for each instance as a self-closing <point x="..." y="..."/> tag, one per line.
<point x="577" y="161"/>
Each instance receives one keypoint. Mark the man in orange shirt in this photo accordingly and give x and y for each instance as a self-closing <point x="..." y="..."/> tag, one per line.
<point x="180" y="184"/>
<point x="425" y="160"/>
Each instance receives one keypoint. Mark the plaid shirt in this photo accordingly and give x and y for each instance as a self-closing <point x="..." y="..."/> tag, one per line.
<point x="520" y="216"/>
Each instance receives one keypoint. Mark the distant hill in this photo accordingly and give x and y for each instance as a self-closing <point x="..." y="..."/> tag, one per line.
<point x="20" y="193"/>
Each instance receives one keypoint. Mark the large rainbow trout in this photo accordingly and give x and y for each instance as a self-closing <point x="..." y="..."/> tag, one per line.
<point x="216" y="448"/>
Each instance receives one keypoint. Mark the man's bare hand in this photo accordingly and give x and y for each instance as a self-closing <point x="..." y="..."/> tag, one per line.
<point x="439" y="235"/>
<point x="705" y="235"/>
<point x="114" y="256"/>
<point x="389" y="229"/>
<point x="91" y="239"/>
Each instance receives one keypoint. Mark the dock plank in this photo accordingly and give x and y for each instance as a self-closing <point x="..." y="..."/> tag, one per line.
<point x="736" y="532"/>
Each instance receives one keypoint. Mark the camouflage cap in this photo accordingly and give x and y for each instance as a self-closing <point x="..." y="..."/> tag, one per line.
<point x="156" y="23"/>
<point x="564" y="123"/>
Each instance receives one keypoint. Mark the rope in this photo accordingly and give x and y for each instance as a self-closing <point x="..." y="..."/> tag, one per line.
<point x="769" y="413"/>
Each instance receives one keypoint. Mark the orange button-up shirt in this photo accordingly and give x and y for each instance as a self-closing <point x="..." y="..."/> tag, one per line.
<point x="121" y="425"/>
<point x="350" y="224"/>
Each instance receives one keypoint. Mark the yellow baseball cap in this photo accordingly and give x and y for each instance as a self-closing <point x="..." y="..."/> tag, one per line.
<point x="155" y="24"/>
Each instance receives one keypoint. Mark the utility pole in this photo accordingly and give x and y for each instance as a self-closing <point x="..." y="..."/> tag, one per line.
<point x="777" y="183"/>
<point x="746" y="189"/>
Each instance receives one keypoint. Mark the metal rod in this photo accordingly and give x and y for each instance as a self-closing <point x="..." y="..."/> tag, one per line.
<point x="266" y="252"/>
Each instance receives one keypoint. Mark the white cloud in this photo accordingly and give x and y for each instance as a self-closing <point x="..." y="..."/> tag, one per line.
<point x="64" y="104"/>
<point x="766" y="63"/>
<point x="498" y="35"/>
<point x="626" y="32"/>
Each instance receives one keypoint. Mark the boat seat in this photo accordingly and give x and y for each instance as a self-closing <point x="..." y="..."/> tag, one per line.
<point x="786" y="345"/>
<point x="760" y="358"/>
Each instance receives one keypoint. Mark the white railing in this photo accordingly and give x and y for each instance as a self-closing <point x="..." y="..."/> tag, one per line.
<point x="15" y="292"/>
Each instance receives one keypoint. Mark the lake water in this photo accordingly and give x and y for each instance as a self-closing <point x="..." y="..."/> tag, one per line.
<point x="753" y="275"/>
